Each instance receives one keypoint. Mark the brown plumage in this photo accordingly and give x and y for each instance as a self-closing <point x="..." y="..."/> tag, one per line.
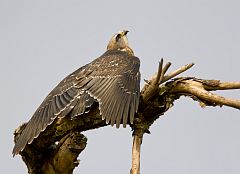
<point x="112" y="80"/>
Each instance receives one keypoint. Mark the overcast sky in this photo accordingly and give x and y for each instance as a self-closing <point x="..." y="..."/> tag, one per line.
<point x="43" y="41"/>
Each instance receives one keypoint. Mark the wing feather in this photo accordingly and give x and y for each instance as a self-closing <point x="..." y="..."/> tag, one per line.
<point x="132" y="111"/>
<point x="84" y="101"/>
<point x="100" y="91"/>
<point x="113" y="79"/>
<point x="112" y="110"/>
<point x="121" y="111"/>
<point x="38" y="120"/>
<point x="42" y="122"/>
<point x="107" y="105"/>
<point x="51" y="107"/>
<point x="64" y="99"/>
<point x="101" y="85"/>
<point x="32" y="128"/>
<point x="50" y="114"/>
<point x="104" y="105"/>
<point x="118" y="114"/>
<point x="68" y="96"/>
<point x="55" y="106"/>
<point x="125" y="109"/>
<point x="59" y="103"/>
<point x="77" y="110"/>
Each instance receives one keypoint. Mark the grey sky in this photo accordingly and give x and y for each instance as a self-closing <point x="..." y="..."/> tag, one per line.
<point x="43" y="41"/>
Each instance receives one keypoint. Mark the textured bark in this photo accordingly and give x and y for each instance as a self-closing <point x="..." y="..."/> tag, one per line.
<point x="57" y="148"/>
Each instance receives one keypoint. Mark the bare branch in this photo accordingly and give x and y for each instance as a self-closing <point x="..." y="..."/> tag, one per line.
<point x="150" y="89"/>
<point x="198" y="89"/>
<point x="166" y="67"/>
<point x="224" y="86"/>
<point x="136" y="147"/>
<point x="159" y="73"/>
<point x="177" y="72"/>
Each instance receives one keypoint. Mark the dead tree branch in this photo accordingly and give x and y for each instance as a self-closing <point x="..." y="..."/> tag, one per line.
<point x="199" y="89"/>
<point x="57" y="148"/>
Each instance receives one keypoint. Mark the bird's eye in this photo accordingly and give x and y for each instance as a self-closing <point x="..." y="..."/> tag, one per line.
<point x="118" y="36"/>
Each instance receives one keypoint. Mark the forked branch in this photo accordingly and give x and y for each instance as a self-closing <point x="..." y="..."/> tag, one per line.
<point x="161" y="97"/>
<point x="199" y="89"/>
<point x="59" y="153"/>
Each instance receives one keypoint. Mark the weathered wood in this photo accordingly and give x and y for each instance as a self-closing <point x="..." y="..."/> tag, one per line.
<point x="57" y="148"/>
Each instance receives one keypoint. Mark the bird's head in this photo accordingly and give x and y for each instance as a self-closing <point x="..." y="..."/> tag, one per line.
<point x="120" y="42"/>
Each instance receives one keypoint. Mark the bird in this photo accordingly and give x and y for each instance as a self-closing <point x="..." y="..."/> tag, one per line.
<point x="112" y="80"/>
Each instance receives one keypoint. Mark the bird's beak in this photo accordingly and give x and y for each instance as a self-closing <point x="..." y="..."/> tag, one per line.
<point x="125" y="32"/>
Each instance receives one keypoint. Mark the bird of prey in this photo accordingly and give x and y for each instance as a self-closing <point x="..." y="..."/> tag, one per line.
<point x="112" y="80"/>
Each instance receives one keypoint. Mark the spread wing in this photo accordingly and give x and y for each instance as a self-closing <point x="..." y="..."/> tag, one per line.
<point x="114" y="81"/>
<point x="59" y="102"/>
